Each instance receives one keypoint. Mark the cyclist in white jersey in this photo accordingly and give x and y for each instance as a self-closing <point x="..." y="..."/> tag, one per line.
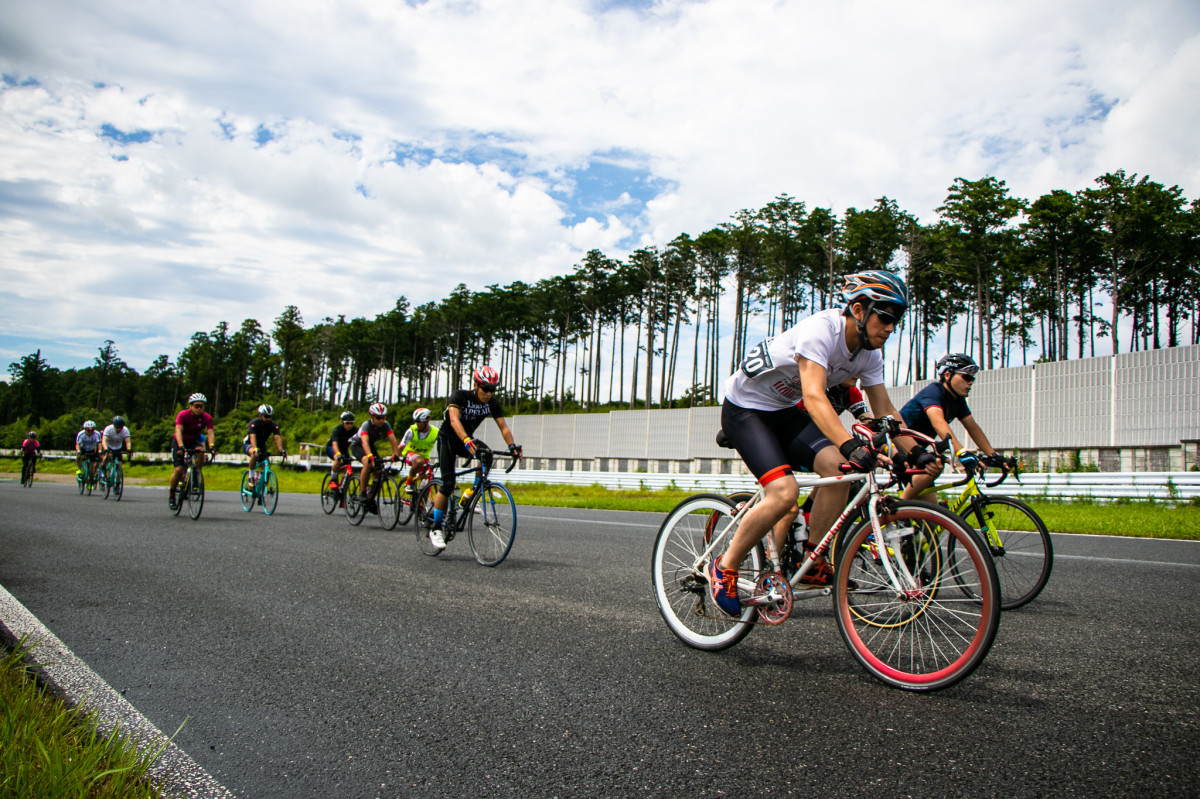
<point x="773" y="436"/>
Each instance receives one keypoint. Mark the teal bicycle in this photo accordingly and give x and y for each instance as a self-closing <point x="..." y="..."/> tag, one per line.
<point x="261" y="485"/>
<point x="112" y="477"/>
<point x="89" y="472"/>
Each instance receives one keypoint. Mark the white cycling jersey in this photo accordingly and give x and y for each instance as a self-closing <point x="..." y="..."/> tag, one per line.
<point x="768" y="378"/>
<point x="116" y="438"/>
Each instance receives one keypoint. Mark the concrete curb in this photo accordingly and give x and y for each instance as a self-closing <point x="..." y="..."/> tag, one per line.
<point x="176" y="774"/>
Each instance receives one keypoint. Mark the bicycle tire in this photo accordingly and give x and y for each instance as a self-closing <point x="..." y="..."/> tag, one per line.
<point x="246" y="492"/>
<point x="680" y="587"/>
<point x="424" y="522"/>
<point x="106" y="479"/>
<point x="26" y="478"/>
<point x="406" y="501"/>
<point x="118" y="481"/>
<point x="180" y="493"/>
<point x="195" y="496"/>
<point x="356" y="509"/>
<point x="923" y="638"/>
<point x="270" y="492"/>
<point x="82" y="481"/>
<point x="329" y="493"/>
<point x="387" y="500"/>
<point x="1026" y="555"/>
<point x="491" y="524"/>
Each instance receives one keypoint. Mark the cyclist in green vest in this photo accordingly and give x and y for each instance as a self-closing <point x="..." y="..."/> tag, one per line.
<point x="417" y="444"/>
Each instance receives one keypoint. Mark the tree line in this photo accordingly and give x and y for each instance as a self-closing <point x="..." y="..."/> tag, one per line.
<point x="994" y="274"/>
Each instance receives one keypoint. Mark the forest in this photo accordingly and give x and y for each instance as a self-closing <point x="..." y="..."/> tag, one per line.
<point x="1010" y="280"/>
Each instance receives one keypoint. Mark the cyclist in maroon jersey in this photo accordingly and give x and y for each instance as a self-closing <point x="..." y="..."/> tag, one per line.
<point x="194" y="432"/>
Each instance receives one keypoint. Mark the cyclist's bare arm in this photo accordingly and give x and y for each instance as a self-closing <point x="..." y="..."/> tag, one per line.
<point x="504" y="431"/>
<point x="455" y="417"/>
<point x="814" y="377"/>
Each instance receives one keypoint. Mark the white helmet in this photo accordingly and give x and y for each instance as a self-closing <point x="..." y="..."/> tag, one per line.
<point x="266" y="410"/>
<point x="197" y="397"/>
<point x="421" y="415"/>
<point x="378" y="409"/>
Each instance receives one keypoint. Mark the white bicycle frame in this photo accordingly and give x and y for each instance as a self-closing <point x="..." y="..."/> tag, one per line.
<point x="869" y="492"/>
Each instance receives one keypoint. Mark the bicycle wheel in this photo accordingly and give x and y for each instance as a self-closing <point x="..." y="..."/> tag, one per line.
<point x="106" y="479"/>
<point x="677" y="570"/>
<point x="270" y="492"/>
<point x="118" y="481"/>
<point x="424" y="518"/>
<point x="329" y="493"/>
<point x="195" y="494"/>
<point x="246" y="492"/>
<point x="491" y="524"/>
<point x="356" y="509"/>
<point x="181" y="492"/>
<point x="388" y="501"/>
<point x="406" y="501"/>
<point x="25" y="477"/>
<point x="1024" y="557"/>
<point x="899" y="622"/>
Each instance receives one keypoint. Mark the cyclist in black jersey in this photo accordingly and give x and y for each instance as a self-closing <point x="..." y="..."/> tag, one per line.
<point x="465" y="411"/>
<point x="362" y="443"/>
<point x="257" y="433"/>
<point x="337" y="448"/>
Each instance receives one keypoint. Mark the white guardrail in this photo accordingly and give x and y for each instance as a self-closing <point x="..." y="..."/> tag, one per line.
<point x="1179" y="486"/>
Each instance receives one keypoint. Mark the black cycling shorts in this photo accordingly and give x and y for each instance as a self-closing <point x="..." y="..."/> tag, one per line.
<point x="773" y="443"/>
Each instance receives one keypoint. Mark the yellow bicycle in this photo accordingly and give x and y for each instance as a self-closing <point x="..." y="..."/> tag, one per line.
<point x="1016" y="536"/>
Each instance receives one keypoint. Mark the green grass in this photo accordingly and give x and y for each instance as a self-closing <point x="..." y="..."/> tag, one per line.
<point x="50" y="751"/>
<point x="1142" y="519"/>
<point x="1139" y="519"/>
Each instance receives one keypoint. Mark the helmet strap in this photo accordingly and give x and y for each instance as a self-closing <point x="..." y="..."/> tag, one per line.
<point x="863" y="340"/>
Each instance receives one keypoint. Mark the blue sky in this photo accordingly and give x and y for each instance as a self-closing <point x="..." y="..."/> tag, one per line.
<point x="167" y="166"/>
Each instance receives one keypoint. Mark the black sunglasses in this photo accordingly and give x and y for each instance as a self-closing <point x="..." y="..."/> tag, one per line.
<point x="887" y="318"/>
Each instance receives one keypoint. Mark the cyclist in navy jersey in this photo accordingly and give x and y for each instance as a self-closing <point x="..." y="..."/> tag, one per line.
<point x="938" y="404"/>
<point x="362" y="443"/>
<point x="465" y="411"/>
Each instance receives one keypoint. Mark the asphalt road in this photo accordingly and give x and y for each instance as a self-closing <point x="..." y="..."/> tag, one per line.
<point x="312" y="658"/>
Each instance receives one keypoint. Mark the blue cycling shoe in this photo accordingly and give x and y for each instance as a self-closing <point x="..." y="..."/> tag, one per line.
<point x="722" y="584"/>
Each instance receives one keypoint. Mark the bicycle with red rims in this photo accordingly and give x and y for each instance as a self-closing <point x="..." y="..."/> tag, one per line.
<point x="334" y="484"/>
<point x="412" y="496"/>
<point x="904" y="617"/>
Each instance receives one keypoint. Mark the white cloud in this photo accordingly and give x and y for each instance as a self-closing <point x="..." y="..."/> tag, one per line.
<point x="497" y="104"/>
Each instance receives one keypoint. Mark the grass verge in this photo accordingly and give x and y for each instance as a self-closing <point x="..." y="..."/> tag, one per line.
<point x="49" y="750"/>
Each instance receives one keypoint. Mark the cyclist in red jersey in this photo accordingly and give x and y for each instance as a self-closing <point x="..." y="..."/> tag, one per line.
<point x="193" y="431"/>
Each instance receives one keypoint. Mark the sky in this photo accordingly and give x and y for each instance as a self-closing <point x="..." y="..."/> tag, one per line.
<point x="168" y="165"/>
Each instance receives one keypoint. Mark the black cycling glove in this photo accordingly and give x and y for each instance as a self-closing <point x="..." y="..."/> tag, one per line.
<point x="858" y="453"/>
<point x="924" y="459"/>
<point x="995" y="459"/>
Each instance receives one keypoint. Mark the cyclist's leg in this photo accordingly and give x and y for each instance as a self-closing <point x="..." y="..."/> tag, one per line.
<point x="177" y="461"/>
<point x="758" y="438"/>
<point x="360" y="454"/>
<point x="447" y="455"/>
